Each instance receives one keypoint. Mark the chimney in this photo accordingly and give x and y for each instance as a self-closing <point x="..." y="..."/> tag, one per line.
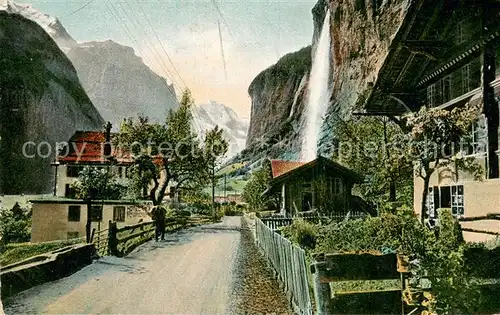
<point x="107" y="144"/>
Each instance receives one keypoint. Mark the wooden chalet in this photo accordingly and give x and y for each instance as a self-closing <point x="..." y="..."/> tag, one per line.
<point x="447" y="54"/>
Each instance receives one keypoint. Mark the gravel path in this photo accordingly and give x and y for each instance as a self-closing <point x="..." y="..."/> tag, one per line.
<point x="256" y="291"/>
<point x="212" y="269"/>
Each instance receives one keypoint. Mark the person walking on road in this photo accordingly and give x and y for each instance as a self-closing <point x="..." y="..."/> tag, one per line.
<point x="158" y="215"/>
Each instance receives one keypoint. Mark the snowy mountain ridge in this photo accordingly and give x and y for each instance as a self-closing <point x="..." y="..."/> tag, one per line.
<point x="211" y="114"/>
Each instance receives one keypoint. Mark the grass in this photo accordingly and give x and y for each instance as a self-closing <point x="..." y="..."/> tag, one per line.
<point x="12" y="253"/>
<point x="365" y="286"/>
<point x="230" y="168"/>
<point x="237" y="184"/>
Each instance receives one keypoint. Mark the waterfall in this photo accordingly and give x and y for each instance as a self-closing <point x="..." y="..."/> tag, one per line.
<point x="317" y="94"/>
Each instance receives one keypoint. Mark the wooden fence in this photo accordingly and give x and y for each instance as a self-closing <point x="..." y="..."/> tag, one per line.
<point x="100" y="241"/>
<point x="121" y="241"/>
<point x="289" y="262"/>
<point x="275" y="223"/>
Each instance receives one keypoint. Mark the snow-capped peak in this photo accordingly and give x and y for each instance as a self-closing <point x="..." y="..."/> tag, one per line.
<point x="211" y="114"/>
<point x="50" y="24"/>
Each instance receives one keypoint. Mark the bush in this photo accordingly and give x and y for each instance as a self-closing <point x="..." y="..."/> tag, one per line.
<point x="302" y="233"/>
<point x="15" y="225"/>
<point x="387" y="233"/>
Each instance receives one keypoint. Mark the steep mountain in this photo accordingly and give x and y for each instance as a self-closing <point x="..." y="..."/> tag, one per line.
<point x="51" y="25"/>
<point x="117" y="81"/>
<point x="120" y="84"/>
<point x="278" y="95"/>
<point x="41" y="103"/>
<point x="361" y="33"/>
<point x="211" y="114"/>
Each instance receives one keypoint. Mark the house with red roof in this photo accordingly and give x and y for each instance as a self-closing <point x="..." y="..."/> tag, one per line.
<point x="321" y="185"/>
<point x="62" y="216"/>
<point x="88" y="148"/>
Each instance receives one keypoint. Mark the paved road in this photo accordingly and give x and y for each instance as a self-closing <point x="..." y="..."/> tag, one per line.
<point x="189" y="273"/>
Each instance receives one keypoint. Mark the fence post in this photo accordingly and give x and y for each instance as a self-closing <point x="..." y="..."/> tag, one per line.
<point x="322" y="292"/>
<point x="112" y="239"/>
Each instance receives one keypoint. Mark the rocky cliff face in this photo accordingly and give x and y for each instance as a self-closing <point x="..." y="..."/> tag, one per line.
<point x="278" y="95"/>
<point x="41" y="103"/>
<point x="361" y="33"/>
<point x="117" y="81"/>
<point x="120" y="84"/>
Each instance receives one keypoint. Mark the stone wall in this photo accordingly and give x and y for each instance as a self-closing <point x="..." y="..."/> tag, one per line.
<point x="44" y="268"/>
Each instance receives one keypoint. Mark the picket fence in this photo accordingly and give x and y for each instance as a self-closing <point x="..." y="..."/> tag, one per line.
<point x="289" y="262"/>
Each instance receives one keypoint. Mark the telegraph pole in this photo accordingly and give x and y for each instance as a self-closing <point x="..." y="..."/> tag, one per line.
<point x="225" y="194"/>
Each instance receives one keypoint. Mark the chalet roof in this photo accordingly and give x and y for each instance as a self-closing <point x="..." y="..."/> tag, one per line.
<point x="299" y="168"/>
<point x="280" y="167"/>
<point x="87" y="147"/>
<point x="423" y="51"/>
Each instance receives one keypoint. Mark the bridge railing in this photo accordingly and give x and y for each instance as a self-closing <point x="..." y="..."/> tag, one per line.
<point x="289" y="262"/>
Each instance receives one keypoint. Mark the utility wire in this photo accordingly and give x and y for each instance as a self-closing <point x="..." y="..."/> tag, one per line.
<point x="153" y="49"/>
<point x="222" y="17"/>
<point x="79" y="9"/>
<point x="129" y="34"/>
<point x="222" y="51"/>
<point x="161" y="45"/>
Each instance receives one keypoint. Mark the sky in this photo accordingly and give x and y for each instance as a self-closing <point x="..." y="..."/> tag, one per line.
<point x="255" y="33"/>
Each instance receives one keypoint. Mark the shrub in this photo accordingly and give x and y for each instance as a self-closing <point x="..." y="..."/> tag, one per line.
<point x="387" y="233"/>
<point x="15" y="225"/>
<point x="302" y="233"/>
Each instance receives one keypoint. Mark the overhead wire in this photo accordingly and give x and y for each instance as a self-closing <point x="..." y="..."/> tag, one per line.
<point x="158" y="56"/>
<point x="154" y="51"/>
<point x="79" y="9"/>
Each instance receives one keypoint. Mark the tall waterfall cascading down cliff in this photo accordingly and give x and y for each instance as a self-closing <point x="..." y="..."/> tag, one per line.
<point x="317" y="94"/>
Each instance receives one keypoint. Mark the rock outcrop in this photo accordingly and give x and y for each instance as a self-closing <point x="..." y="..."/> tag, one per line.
<point x="361" y="32"/>
<point x="117" y="81"/>
<point x="278" y="95"/>
<point x="120" y="84"/>
<point x="41" y="103"/>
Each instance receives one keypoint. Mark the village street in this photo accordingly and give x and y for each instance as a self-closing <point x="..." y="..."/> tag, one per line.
<point x="195" y="271"/>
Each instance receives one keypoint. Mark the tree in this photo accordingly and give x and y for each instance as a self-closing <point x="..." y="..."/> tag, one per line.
<point x="258" y="183"/>
<point x="454" y="290"/>
<point x="15" y="225"/>
<point x="369" y="145"/>
<point x="435" y="140"/>
<point x="215" y="148"/>
<point x="164" y="154"/>
<point x="96" y="184"/>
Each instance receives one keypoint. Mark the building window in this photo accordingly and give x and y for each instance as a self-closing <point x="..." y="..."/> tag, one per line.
<point x="72" y="235"/>
<point x="119" y="213"/>
<point x="69" y="192"/>
<point x="307" y="200"/>
<point x="73" y="171"/>
<point x="457" y="200"/>
<point x="96" y="213"/>
<point x="466" y="79"/>
<point x="445" y="197"/>
<point x="337" y="186"/>
<point x="120" y="171"/>
<point x="431" y="95"/>
<point x="446" y="89"/>
<point x="74" y="213"/>
<point x="478" y="139"/>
